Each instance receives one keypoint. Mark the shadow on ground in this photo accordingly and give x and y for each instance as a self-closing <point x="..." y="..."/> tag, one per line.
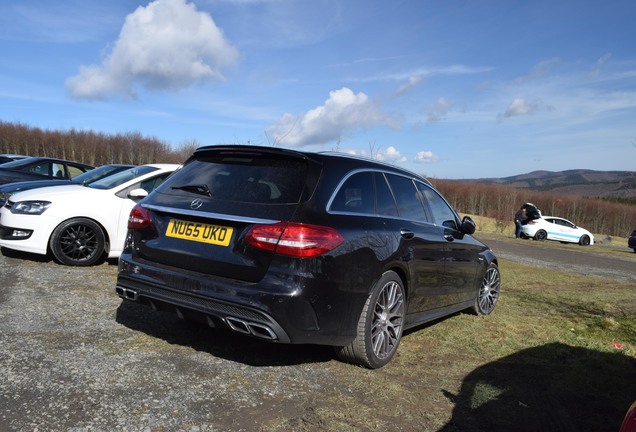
<point x="10" y="253"/>
<point x="554" y="387"/>
<point x="217" y="342"/>
<point x="26" y="256"/>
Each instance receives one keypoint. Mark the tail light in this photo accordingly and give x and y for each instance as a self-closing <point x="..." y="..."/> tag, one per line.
<point x="532" y="222"/>
<point x="139" y="218"/>
<point x="294" y="239"/>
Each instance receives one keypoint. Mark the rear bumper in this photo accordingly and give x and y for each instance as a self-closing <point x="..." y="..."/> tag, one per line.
<point x="529" y="231"/>
<point x="240" y="319"/>
<point x="274" y="310"/>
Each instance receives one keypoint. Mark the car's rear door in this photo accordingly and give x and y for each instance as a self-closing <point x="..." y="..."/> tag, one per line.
<point x="421" y="244"/>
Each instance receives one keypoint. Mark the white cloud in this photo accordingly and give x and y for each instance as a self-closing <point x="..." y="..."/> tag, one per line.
<point x="437" y="111"/>
<point x="168" y="44"/>
<point x="600" y="64"/>
<point x="425" y="157"/>
<point x="423" y="72"/>
<point x="343" y="111"/>
<point x="519" y="107"/>
<point x="391" y="155"/>
<point x="412" y="81"/>
<point x="543" y="69"/>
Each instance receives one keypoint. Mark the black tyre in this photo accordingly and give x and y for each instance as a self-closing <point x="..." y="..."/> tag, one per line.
<point x="379" y="326"/>
<point x="584" y="240"/>
<point x="540" y="235"/>
<point x="489" y="291"/>
<point x="77" y="242"/>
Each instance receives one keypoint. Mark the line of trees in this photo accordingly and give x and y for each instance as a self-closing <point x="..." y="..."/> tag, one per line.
<point x="501" y="202"/>
<point x="90" y="147"/>
<point x="496" y="201"/>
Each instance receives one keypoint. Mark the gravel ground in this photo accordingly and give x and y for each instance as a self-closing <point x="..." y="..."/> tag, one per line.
<point x="585" y="260"/>
<point x="73" y="358"/>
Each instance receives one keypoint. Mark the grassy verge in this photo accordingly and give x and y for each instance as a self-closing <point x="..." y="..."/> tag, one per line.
<point x="559" y="353"/>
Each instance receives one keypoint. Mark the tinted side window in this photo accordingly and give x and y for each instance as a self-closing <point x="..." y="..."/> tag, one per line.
<point x="148" y="185"/>
<point x="355" y="195"/>
<point x="564" y="223"/>
<point x="385" y="204"/>
<point x="407" y="198"/>
<point x="43" y="168"/>
<point x="57" y="170"/>
<point x="152" y="183"/>
<point x="75" y="171"/>
<point x="441" y="212"/>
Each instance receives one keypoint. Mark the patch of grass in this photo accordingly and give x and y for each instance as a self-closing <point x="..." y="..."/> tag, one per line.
<point x="545" y="358"/>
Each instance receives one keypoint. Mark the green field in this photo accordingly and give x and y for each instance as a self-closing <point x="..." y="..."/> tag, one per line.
<point x="558" y="353"/>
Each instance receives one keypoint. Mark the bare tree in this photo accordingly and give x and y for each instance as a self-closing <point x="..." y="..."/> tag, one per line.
<point x="184" y="150"/>
<point x="374" y="150"/>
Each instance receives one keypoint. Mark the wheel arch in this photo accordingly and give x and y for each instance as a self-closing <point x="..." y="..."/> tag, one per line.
<point x="402" y="273"/>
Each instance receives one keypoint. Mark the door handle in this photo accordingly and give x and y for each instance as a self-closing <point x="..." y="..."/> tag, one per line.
<point x="407" y="234"/>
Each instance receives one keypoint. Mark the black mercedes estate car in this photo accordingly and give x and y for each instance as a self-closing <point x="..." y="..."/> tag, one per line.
<point x="305" y="248"/>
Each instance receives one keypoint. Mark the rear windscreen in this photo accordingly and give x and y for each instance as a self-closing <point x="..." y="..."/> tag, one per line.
<point x="252" y="179"/>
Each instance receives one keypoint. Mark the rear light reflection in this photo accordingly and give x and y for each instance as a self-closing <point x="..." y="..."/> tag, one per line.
<point x="294" y="239"/>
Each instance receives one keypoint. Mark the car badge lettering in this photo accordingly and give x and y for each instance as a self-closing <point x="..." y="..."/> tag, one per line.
<point x="195" y="204"/>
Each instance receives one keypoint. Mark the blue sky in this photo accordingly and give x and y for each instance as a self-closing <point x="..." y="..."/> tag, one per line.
<point x="448" y="89"/>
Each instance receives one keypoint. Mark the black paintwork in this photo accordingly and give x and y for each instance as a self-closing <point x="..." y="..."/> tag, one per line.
<point x="304" y="300"/>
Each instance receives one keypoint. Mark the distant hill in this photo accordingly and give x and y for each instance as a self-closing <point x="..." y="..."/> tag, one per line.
<point x="590" y="183"/>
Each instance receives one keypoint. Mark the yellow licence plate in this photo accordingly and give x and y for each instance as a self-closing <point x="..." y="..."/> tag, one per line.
<point x="200" y="232"/>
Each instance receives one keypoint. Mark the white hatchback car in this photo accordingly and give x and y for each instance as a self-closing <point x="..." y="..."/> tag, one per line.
<point x="556" y="228"/>
<point x="78" y="224"/>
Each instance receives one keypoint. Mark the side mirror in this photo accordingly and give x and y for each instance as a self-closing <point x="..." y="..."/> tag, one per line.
<point x="137" y="194"/>
<point x="468" y="225"/>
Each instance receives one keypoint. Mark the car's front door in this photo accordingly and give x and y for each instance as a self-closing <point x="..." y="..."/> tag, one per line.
<point x="462" y="252"/>
<point x="558" y="230"/>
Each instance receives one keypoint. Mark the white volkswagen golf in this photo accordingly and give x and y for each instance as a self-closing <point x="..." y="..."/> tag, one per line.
<point x="78" y="224"/>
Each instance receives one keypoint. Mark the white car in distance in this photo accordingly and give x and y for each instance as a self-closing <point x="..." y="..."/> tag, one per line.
<point x="556" y="228"/>
<point x="78" y="224"/>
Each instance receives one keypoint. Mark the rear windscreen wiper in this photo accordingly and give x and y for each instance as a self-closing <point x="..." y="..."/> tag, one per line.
<point x="197" y="189"/>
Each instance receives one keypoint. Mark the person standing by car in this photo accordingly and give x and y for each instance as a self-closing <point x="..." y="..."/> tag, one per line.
<point x="520" y="218"/>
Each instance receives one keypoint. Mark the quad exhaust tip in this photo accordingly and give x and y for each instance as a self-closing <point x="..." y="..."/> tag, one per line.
<point x="255" y="329"/>
<point x="126" y="293"/>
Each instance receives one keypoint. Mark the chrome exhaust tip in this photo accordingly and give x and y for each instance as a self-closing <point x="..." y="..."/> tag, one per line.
<point x="237" y="325"/>
<point x="255" y="329"/>
<point x="127" y="293"/>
